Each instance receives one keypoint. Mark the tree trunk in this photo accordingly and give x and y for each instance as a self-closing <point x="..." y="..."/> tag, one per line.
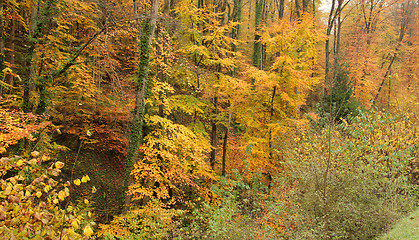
<point x="236" y="17"/>
<point x="406" y="13"/>
<point x="2" y="37"/>
<point x="305" y="5"/>
<point x="339" y="25"/>
<point x="223" y="170"/>
<point x="281" y="8"/>
<point x="34" y="33"/>
<point x="214" y="134"/>
<point x="298" y="9"/>
<point x="384" y="78"/>
<point x="11" y="60"/>
<point x="327" y="44"/>
<point x="200" y="3"/>
<point x="44" y="22"/>
<point x="337" y="31"/>
<point x="136" y="136"/>
<point x="257" y="45"/>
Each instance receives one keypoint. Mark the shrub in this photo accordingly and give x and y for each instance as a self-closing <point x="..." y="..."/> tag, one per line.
<point x="352" y="181"/>
<point x="34" y="203"/>
<point x="152" y="221"/>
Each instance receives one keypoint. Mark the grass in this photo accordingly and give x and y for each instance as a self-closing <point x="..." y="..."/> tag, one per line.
<point x="406" y="229"/>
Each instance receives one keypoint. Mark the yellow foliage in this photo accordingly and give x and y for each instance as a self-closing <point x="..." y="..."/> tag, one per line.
<point x="154" y="221"/>
<point x="173" y="160"/>
<point x="22" y="200"/>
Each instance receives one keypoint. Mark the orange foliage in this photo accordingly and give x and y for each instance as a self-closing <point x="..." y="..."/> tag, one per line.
<point x="18" y="125"/>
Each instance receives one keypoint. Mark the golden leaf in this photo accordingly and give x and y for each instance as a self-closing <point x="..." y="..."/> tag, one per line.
<point x="88" y="231"/>
<point x="39" y="194"/>
<point x="19" y="163"/>
<point x="77" y="182"/>
<point x="59" y="165"/>
<point x="85" y="179"/>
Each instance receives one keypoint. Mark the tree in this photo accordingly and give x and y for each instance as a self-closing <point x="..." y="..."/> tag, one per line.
<point x="213" y="54"/>
<point x="148" y="27"/>
<point x="257" y="45"/>
<point x="334" y="15"/>
<point x="407" y="10"/>
<point x="338" y="103"/>
<point x="272" y="108"/>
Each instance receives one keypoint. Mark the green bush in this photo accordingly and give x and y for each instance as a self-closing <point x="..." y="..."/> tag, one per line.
<point x="337" y="102"/>
<point x="236" y="213"/>
<point x="352" y="181"/>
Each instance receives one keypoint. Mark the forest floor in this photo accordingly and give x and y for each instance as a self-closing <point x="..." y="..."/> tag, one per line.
<point x="406" y="228"/>
<point x="106" y="177"/>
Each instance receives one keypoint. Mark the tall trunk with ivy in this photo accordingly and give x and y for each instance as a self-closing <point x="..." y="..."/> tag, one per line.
<point x="136" y="136"/>
<point x="42" y="21"/>
<point x="47" y="20"/>
<point x="1" y="37"/>
<point x="33" y="35"/>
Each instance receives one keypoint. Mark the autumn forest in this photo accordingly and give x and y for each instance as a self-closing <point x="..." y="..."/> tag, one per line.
<point x="208" y="119"/>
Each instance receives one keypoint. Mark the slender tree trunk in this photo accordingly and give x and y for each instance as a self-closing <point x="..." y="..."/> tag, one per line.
<point x="221" y="8"/>
<point x="160" y="75"/>
<point x="406" y="15"/>
<point x="236" y="17"/>
<point x="384" y="78"/>
<point x="389" y="94"/>
<point x="257" y="45"/>
<point x="2" y="41"/>
<point x="136" y="136"/>
<point x="200" y="3"/>
<point x="327" y="43"/>
<point x="305" y="5"/>
<point x="298" y="9"/>
<point x="11" y="60"/>
<point x="224" y="159"/>
<point x="214" y="134"/>
<point x="338" y="26"/>
<point x="35" y="32"/>
<point x="27" y="79"/>
<point x="271" y="110"/>
<point x="281" y="9"/>
<point x="271" y="114"/>
<point x="45" y="21"/>
<point x="2" y="37"/>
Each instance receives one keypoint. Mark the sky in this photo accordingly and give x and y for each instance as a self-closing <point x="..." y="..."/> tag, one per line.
<point x="325" y="5"/>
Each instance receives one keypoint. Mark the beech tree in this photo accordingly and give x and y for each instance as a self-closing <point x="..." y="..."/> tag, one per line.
<point x="148" y="27"/>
